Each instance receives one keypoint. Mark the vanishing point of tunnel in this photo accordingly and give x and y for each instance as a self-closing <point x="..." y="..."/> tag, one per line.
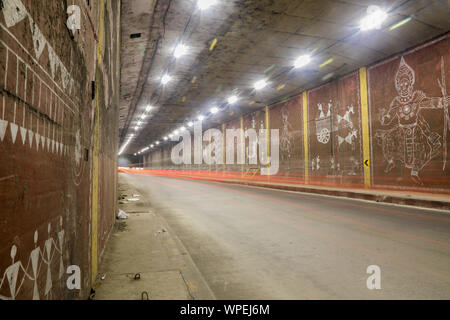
<point x="224" y="150"/>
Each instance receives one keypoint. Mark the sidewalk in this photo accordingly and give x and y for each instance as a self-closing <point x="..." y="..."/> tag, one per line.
<point x="144" y="244"/>
<point x="411" y="198"/>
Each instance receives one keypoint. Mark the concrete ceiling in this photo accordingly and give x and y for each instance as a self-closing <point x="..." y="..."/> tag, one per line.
<point x="256" y="39"/>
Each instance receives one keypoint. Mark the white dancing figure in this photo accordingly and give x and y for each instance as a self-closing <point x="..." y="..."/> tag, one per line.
<point x="11" y="274"/>
<point x="60" y="251"/>
<point x="34" y="256"/>
<point x="48" y="248"/>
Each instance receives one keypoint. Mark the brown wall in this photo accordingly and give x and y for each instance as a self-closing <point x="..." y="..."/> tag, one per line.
<point x="408" y="147"/>
<point x="405" y="150"/>
<point x="46" y="171"/>
<point x="287" y="117"/>
<point x="335" y="132"/>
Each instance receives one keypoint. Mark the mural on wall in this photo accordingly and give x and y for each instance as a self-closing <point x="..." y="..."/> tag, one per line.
<point x="39" y="259"/>
<point x="410" y="119"/>
<point x="50" y="91"/>
<point x="286" y="117"/>
<point x="324" y="125"/>
<point x="256" y="121"/>
<point x="44" y="132"/>
<point x="411" y="141"/>
<point x="286" y="134"/>
<point x="335" y="133"/>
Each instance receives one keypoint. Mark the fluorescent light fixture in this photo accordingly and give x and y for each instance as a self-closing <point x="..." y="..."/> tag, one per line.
<point x="151" y="146"/>
<point x="260" y="84"/>
<point x="399" y="24"/>
<point x="374" y="19"/>
<point x="190" y="124"/>
<point x="232" y="99"/>
<point x="200" y="118"/>
<point x="148" y="108"/>
<point x="205" y="4"/>
<point x="183" y="129"/>
<point x="139" y="123"/>
<point x="170" y="135"/>
<point x="143" y="116"/>
<point x="302" y="61"/>
<point x="124" y="146"/>
<point x="180" y="50"/>
<point x="176" y="132"/>
<point x="135" y="154"/>
<point x="136" y="128"/>
<point x="165" y="138"/>
<point x="214" y="110"/>
<point x="165" y="79"/>
<point x="157" y="142"/>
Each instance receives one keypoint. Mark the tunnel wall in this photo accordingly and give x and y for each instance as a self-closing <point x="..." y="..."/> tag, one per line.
<point x="58" y="150"/>
<point x="334" y="134"/>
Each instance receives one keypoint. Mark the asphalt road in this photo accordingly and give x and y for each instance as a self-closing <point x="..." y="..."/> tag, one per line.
<point x="254" y="243"/>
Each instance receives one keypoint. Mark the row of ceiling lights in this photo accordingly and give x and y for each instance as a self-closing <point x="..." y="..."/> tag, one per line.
<point x="373" y="20"/>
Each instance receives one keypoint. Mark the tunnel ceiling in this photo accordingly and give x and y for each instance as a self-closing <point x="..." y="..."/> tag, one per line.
<point x="256" y="39"/>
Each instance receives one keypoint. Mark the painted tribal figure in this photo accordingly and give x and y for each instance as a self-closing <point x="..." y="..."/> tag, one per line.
<point x="411" y="140"/>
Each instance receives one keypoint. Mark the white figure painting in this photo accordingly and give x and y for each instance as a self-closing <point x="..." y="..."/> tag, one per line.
<point x="286" y="134"/>
<point x="11" y="276"/>
<point x="34" y="256"/>
<point x="315" y="166"/>
<point x="411" y="140"/>
<point x="59" y="247"/>
<point x="48" y="251"/>
<point x="324" y="124"/>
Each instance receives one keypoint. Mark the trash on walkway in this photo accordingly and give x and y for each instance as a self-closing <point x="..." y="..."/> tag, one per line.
<point x="136" y="195"/>
<point x="133" y="199"/>
<point x="103" y="276"/>
<point x="122" y="215"/>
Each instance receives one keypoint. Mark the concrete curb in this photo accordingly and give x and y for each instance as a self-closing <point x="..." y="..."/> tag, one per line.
<point x="367" y="195"/>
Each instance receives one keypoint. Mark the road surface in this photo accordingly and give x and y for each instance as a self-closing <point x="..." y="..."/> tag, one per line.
<point x="255" y="243"/>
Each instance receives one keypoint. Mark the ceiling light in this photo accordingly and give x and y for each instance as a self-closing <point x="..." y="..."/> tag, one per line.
<point x="182" y="129"/>
<point x="170" y="135"/>
<point x="157" y="142"/>
<point x="139" y="123"/>
<point x="165" y="79"/>
<point x="214" y="110"/>
<point x="374" y="19"/>
<point x="136" y="128"/>
<point x="190" y="124"/>
<point x="143" y="116"/>
<point x="302" y="61"/>
<point x="148" y="108"/>
<point x="165" y="138"/>
<point x="176" y="132"/>
<point x="135" y="154"/>
<point x="232" y="99"/>
<point x="260" y="84"/>
<point x="205" y="4"/>
<point x="151" y="146"/>
<point x="180" y="50"/>
<point x="200" y="118"/>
